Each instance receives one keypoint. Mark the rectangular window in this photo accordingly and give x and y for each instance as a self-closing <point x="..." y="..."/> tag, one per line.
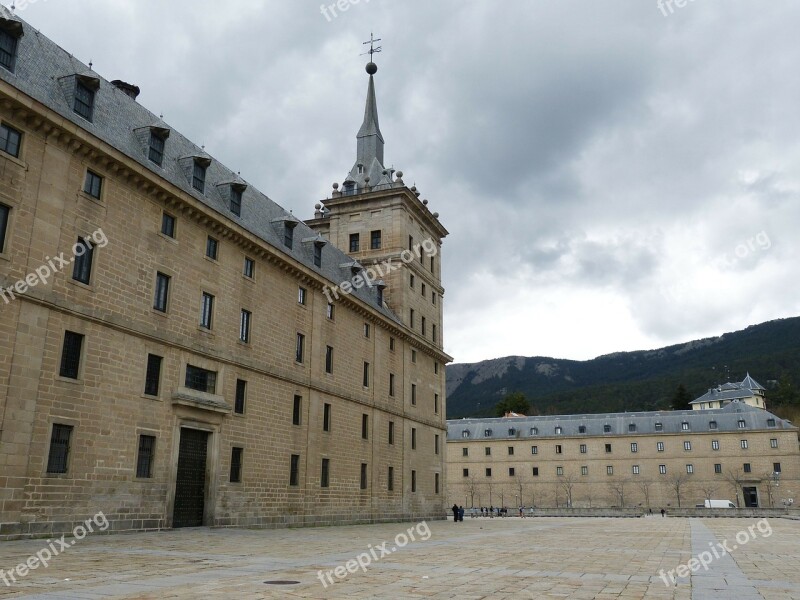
<point x="390" y="479"/>
<point x="743" y="444"/>
<point x="690" y="469"/>
<point x="363" y="476"/>
<point x="145" y="456"/>
<point x="559" y="430"/>
<point x="534" y="449"/>
<point x="199" y="177"/>
<point x="465" y="472"/>
<point x="82" y="267"/>
<point x="365" y="377"/>
<point x="212" y="248"/>
<point x="432" y="264"/>
<point x="718" y="468"/>
<point x="413" y="481"/>
<point x="168" y="225"/>
<point x="162" y="292"/>
<point x="391" y="344"/>
<point x="236" y="201"/>
<point x="558" y="449"/>
<point x="365" y="427"/>
<point x="8" y="50"/>
<point x="58" y="456"/>
<point x="559" y="471"/>
<point x="712" y="425"/>
<point x="366" y="330"/>
<point x="318" y="255"/>
<point x="411" y="317"/>
<point x="715" y="444"/>
<point x="9" y="137"/>
<point x="770" y="422"/>
<point x="634" y="447"/>
<point x="355" y="242"/>
<point x="747" y="468"/>
<point x="423" y="290"/>
<point x="609" y="470"/>
<point x="687" y="446"/>
<point x="660" y="446"/>
<point x="436" y="444"/>
<point x="288" y="233"/>
<point x="436" y="482"/>
<point x="583" y="448"/>
<point x="206" y="311"/>
<point x="608" y="448"/>
<point x="413" y="438"/>
<point x="433" y="332"/>
<point x="375" y="240"/>
<point x="153" y="375"/>
<point x="606" y="428"/>
<point x="5" y="212"/>
<point x="71" y="355"/>
<point x="776" y="467"/>
<point x="300" y="348"/>
<point x="155" y="151"/>
<point x="297" y="407"/>
<point x="488" y="472"/>
<point x="391" y="432"/>
<point x="84" y="100"/>
<point x="294" y="470"/>
<point x="488" y="451"/>
<point x="684" y="426"/>
<point x="414" y="394"/>
<point x="326" y="417"/>
<point x="423" y="323"/>
<point x="414" y="356"/>
<point x="241" y="393"/>
<point x="659" y="427"/>
<point x="464" y="451"/>
<point x="662" y="469"/>
<point x="328" y="359"/>
<point x="330" y="312"/>
<point x="249" y="267"/>
<point x="584" y="470"/>
<point x="201" y="380"/>
<point x="535" y="471"/>
<point x="301" y="296"/>
<point x="631" y="427"/>
<point x="324" y="477"/>
<point x="741" y="424"/>
<point x="433" y="298"/>
<point x="436" y="404"/>
<point x="391" y="384"/>
<point x="93" y="184"/>
<point x="511" y="471"/>
<point x="635" y="469"/>
<point x="773" y="443"/>
<point x="244" y="326"/>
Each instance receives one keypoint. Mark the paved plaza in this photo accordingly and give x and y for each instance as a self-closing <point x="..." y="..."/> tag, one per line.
<point x="579" y="558"/>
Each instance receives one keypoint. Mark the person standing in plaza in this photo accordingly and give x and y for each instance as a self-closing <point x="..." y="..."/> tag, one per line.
<point x="455" y="513"/>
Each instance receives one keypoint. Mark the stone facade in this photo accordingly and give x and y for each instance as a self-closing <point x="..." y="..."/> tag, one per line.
<point x="107" y="397"/>
<point x="631" y="460"/>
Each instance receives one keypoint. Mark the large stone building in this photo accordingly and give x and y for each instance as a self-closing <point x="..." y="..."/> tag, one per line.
<point x="196" y="355"/>
<point x="651" y="459"/>
<point x="748" y="391"/>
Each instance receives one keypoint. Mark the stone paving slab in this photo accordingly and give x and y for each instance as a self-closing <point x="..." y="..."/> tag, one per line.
<point x="575" y="558"/>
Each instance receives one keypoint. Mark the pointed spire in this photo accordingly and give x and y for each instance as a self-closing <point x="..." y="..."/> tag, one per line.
<point x="370" y="138"/>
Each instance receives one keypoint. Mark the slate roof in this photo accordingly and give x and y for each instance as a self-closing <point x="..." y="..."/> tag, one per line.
<point x="728" y="392"/>
<point x="726" y="419"/>
<point x="43" y="71"/>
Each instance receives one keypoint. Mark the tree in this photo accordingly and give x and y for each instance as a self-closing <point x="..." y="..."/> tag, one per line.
<point x="735" y="478"/>
<point x="785" y="394"/>
<point x="644" y="487"/>
<point x="709" y="489"/>
<point x="617" y="489"/>
<point x="514" y="402"/>
<point x="567" y="483"/>
<point x="681" y="399"/>
<point x="472" y="489"/>
<point x="678" y="483"/>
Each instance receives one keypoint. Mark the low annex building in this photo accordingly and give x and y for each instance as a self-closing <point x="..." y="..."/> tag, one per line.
<point x="650" y="459"/>
<point x="180" y="363"/>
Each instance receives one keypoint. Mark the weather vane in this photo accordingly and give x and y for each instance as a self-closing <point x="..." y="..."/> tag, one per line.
<point x="372" y="49"/>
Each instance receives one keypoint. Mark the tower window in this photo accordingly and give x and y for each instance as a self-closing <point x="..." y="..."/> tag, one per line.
<point x="10" y="140"/>
<point x="375" y="240"/>
<point x="57" y="458"/>
<point x="355" y="242"/>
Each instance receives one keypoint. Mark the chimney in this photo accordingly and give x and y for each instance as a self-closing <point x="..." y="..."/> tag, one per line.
<point x="126" y="88"/>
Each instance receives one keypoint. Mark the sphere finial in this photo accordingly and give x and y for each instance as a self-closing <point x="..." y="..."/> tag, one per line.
<point x="372" y="68"/>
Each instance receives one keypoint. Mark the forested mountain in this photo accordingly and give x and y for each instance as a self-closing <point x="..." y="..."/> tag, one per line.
<point x="632" y="381"/>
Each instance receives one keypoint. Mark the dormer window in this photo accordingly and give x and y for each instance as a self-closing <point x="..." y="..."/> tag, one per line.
<point x="512" y="432"/>
<point x="155" y="151"/>
<point x="534" y="431"/>
<point x="381" y="286"/>
<point x="199" y="176"/>
<point x="236" y="200"/>
<point x="8" y="45"/>
<point x="559" y="430"/>
<point x="84" y="98"/>
<point x="465" y="433"/>
<point x="606" y="428"/>
<point x="487" y="433"/>
<point x="360" y="169"/>
<point x="318" y="253"/>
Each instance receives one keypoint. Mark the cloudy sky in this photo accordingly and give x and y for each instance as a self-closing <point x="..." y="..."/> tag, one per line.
<point x="614" y="175"/>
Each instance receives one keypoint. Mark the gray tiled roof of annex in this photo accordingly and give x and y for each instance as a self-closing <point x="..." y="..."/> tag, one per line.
<point x="725" y="419"/>
<point x="40" y="71"/>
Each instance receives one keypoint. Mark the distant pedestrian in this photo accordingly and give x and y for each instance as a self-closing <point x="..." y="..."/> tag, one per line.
<point x="663" y="512"/>
<point x="650" y="511"/>
<point x="460" y="513"/>
<point x="455" y="513"/>
<point x="522" y="511"/>
<point x="491" y="512"/>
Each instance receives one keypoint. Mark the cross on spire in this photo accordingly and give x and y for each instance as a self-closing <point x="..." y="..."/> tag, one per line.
<point x="372" y="49"/>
